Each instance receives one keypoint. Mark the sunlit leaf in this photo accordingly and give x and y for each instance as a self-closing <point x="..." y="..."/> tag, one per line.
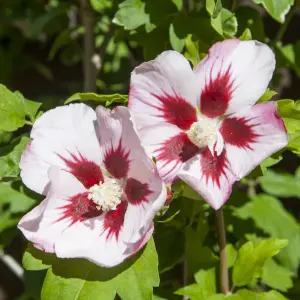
<point x="268" y="94"/>
<point x="104" y="99"/>
<point x="246" y="35"/>
<point x="17" y="202"/>
<point x="10" y="157"/>
<point x="271" y="295"/>
<point x="251" y="259"/>
<point x="128" y="9"/>
<point x="31" y="107"/>
<point x="270" y="216"/>
<point x="277" y="9"/>
<point x="176" y="42"/>
<point x="70" y="279"/>
<point x="276" y="276"/>
<point x="203" y="289"/>
<point x="280" y="185"/>
<point x="12" y="110"/>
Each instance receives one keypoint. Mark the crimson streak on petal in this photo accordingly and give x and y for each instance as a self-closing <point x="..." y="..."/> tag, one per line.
<point x="176" y="110"/>
<point x="79" y="209"/>
<point x="178" y="147"/>
<point x="117" y="161"/>
<point x="216" y="95"/>
<point x="136" y="191"/>
<point x="114" y="220"/>
<point x="213" y="167"/>
<point x="87" y="172"/>
<point x="238" y="132"/>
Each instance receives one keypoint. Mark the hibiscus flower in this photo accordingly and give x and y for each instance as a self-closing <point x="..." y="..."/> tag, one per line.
<point x="102" y="190"/>
<point x="203" y="125"/>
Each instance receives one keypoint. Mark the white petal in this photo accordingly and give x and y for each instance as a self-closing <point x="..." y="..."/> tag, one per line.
<point x="169" y="146"/>
<point x="42" y="226"/>
<point x="163" y="90"/>
<point x="141" y="176"/>
<point x="252" y="135"/>
<point x="233" y="75"/>
<point x="60" y="132"/>
<point x="53" y="228"/>
<point x="209" y="176"/>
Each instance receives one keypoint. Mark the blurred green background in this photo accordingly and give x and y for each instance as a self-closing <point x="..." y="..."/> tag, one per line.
<point x="52" y="49"/>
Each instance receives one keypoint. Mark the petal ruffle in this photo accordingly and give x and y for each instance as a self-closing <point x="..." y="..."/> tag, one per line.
<point x="163" y="90"/>
<point x="252" y="135"/>
<point x="233" y="75"/>
<point x="210" y="176"/>
<point x="63" y="137"/>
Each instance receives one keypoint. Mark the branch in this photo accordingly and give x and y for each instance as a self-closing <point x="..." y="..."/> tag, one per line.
<point x="224" y="281"/>
<point x="12" y="264"/>
<point x="89" y="68"/>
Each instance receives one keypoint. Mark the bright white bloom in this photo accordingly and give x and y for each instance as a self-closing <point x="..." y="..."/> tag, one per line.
<point x="102" y="189"/>
<point x="203" y="125"/>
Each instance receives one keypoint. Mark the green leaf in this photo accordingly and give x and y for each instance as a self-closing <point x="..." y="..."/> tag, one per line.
<point x="267" y="96"/>
<point x="5" y="137"/>
<point x="105" y="99"/>
<point x="290" y="111"/>
<point x="217" y="24"/>
<point x="251" y="259"/>
<point x="12" y="110"/>
<point x="170" y="246"/>
<point x="205" y="287"/>
<point x="178" y="3"/>
<point x="194" y="246"/>
<point x="70" y="279"/>
<point x="231" y="254"/>
<point x="269" y="162"/>
<point x="128" y="9"/>
<point x="229" y="23"/>
<point x="289" y="108"/>
<point x="276" y="276"/>
<point x="225" y="297"/>
<point x="31" y="107"/>
<point x="250" y="18"/>
<point x="62" y="39"/>
<point x="288" y="56"/>
<point x="17" y="201"/>
<point x="7" y="220"/>
<point x="170" y="218"/>
<point x="192" y="51"/>
<point x="280" y="185"/>
<point x="193" y="291"/>
<point x="10" y="157"/>
<point x="277" y="9"/>
<point x="271" y="295"/>
<point x="213" y="7"/>
<point x="176" y="42"/>
<point x="155" y="297"/>
<point x="101" y="5"/>
<point x="270" y="216"/>
<point x="246" y="35"/>
<point x="36" y="260"/>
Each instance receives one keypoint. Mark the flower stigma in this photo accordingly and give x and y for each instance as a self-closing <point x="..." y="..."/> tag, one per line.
<point x="106" y="195"/>
<point x="205" y="132"/>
